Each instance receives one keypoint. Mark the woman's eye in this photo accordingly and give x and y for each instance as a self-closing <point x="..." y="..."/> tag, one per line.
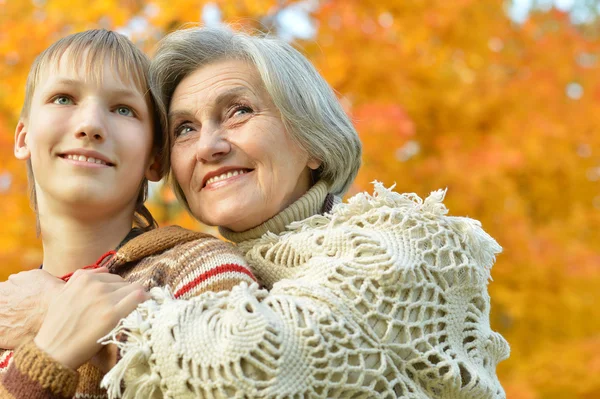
<point x="62" y="100"/>
<point x="182" y="130"/>
<point x="241" y="110"/>
<point x="124" y="111"/>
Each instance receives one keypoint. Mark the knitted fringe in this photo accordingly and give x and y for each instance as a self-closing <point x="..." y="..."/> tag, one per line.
<point x="385" y="197"/>
<point x="360" y="207"/>
<point x="480" y="244"/>
<point x="136" y="355"/>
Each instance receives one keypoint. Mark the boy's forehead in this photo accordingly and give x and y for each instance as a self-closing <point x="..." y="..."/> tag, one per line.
<point x="84" y="68"/>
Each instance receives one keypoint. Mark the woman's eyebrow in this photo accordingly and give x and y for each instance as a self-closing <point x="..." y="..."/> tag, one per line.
<point x="183" y="114"/>
<point x="221" y="100"/>
<point x="226" y="96"/>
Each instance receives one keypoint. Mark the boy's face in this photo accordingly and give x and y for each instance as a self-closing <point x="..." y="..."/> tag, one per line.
<point x="89" y="142"/>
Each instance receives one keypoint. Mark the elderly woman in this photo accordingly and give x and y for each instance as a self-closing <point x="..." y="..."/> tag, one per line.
<point x="384" y="296"/>
<point x="381" y="297"/>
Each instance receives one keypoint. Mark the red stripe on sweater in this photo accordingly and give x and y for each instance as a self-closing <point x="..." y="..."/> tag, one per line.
<point x="5" y="362"/>
<point x="228" y="267"/>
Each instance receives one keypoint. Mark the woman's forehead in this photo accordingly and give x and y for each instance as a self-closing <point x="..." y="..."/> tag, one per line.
<point x="218" y="81"/>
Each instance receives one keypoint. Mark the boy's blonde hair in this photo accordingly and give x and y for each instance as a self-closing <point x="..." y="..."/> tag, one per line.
<point x="90" y="49"/>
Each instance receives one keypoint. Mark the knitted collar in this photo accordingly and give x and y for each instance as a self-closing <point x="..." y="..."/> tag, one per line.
<point x="134" y="232"/>
<point x="316" y="200"/>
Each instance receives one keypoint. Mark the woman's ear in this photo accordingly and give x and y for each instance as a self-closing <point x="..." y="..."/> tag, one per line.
<point x="153" y="170"/>
<point x="314" y="164"/>
<point x="21" y="150"/>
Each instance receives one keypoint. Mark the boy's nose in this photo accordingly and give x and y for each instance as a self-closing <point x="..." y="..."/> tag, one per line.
<point x="90" y="134"/>
<point x="91" y="125"/>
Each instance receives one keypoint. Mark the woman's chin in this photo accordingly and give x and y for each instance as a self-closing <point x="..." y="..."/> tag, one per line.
<point x="239" y="212"/>
<point x="236" y="226"/>
<point x="242" y="222"/>
<point x="227" y="220"/>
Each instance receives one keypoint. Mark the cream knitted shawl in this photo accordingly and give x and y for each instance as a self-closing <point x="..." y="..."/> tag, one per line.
<point x="385" y="297"/>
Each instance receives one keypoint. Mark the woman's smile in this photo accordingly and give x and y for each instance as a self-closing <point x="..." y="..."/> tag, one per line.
<point x="218" y="179"/>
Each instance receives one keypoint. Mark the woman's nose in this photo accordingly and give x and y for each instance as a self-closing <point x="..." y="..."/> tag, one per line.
<point x="211" y="145"/>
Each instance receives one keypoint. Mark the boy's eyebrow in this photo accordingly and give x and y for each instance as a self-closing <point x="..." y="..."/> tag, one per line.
<point x="222" y="98"/>
<point x="122" y="92"/>
<point x="68" y="81"/>
<point x="126" y="93"/>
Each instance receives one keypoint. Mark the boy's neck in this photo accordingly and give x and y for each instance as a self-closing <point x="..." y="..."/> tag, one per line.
<point x="71" y="243"/>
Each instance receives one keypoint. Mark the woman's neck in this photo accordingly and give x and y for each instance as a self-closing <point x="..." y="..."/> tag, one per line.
<point x="71" y="242"/>
<point x="311" y="203"/>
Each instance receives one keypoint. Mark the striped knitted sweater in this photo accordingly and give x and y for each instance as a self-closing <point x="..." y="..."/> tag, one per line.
<point x="188" y="263"/>
<point x="383" y="297"/>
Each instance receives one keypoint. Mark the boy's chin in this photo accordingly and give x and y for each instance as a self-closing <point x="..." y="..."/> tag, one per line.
<point x="93" y="201"/>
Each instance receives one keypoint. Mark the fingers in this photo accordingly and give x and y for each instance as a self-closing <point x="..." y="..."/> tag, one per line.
<point x="83" y="272"/>
<point x="100" y="275"/>
<point x="24" y="300"/>
<point x="98" y="282"/>
<point x="128" y="299"/>
<point x="96" y="300"/>
<point x="20" y="277"/>
<point x="25" y="278"/>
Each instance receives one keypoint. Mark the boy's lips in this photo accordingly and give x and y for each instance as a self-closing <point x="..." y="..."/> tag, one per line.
<point x="83" y="155"/>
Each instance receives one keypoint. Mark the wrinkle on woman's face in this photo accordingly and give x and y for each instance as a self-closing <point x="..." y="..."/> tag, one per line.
<point x="232" y="156"/>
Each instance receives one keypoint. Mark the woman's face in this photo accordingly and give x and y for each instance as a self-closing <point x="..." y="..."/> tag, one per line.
<point x="232" y="156"/>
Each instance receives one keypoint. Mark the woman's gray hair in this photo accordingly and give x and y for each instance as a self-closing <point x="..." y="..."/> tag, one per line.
<point x="309" y="108"/>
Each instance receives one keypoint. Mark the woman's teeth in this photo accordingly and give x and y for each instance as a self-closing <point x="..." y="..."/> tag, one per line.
<point x="83" y="158"/>
<point x="225" y="176"/>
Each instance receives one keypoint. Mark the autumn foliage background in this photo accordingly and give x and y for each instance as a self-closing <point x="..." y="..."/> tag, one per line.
<point x="444" y="94"/>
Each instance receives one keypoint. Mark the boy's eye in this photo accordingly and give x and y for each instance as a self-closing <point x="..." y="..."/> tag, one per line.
<point x="124" y="111"/>
<point x="62" y="100"/>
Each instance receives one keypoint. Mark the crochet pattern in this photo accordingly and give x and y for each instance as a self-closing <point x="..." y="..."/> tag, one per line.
<point x="385" y="297"/>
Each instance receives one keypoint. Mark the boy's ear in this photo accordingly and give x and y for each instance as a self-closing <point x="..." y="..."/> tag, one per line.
<point x="21" y="150"/>
<point x="153" y="170"/>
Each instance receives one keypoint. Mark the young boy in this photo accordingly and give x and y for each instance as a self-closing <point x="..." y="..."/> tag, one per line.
<point x="92" y="139"/>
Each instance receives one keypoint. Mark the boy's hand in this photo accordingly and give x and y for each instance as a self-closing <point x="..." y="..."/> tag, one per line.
<point x="106" y="359"/>
<point x="24" y="300"/>
<point x="85" y="310"/>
